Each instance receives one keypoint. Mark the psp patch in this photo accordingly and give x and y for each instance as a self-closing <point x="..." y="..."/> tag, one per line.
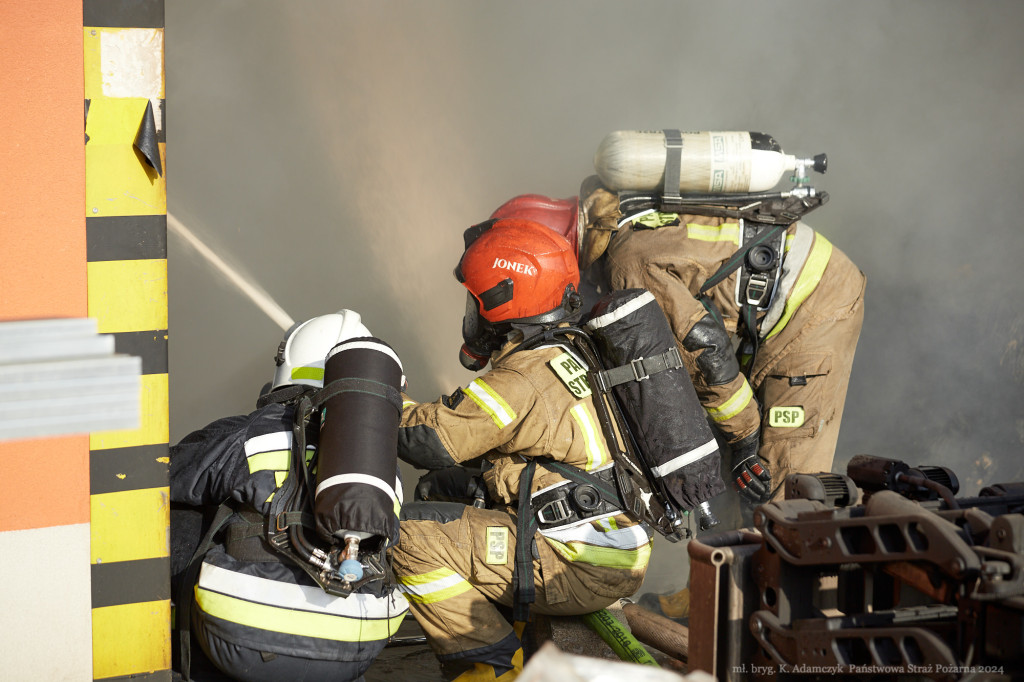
<point x="572" y="374"/>
<point x="497" y="545"/>
<point x="786" y="417"/>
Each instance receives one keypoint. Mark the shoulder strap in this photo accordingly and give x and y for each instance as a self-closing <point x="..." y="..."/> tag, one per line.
<point x="748" y="312"/>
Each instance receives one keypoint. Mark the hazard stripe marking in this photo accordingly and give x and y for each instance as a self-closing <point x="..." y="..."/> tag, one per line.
<point x="155" y="426"/>
<point x="130" y="525"/>
<point x="150" y="345"/>
<point x="131" y="638"/>
<point x="117" y="469"/>
<point x="118" y="13"/>
<point x="126" y="582"/>
<point x="136" y="237"/>
<point x="128" y="295"/>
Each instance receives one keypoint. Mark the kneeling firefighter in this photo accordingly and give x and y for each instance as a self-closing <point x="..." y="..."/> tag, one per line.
<point x="557" y="539"/>
<point x="291" y="581"/>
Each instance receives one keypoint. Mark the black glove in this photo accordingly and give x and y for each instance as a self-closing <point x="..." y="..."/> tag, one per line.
<point x="452" y="484"/>
<point x="750" y="476"/>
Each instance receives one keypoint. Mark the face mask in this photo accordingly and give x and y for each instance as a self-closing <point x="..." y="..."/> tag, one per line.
<point x="479" y="337"/>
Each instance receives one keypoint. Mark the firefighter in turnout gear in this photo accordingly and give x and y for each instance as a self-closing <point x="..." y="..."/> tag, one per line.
<point x="547" y="544"/>
<point x="256" y="614"/>
<point x="781" y="413"/>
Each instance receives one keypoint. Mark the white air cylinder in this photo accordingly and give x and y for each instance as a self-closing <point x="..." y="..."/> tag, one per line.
<point x="712" y="162"/>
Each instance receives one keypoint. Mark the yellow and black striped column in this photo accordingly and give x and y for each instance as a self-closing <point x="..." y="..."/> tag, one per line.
<point x="126" y="243"/>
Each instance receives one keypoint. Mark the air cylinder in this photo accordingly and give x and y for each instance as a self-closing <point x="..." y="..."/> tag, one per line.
<point x="711" y="162"/>
<point x="357" y="492"/>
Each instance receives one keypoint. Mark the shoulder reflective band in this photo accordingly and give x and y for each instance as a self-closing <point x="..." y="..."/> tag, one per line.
<point x="726" y="232"/>
<point x="736" y="403"/>
<point x="572" y="373"/>
<point x="786" y="417"/>
<point x="594" y="445"/>
<point x="491" y="403"/>
<point x="807" y="282"/>
<point x="428" y="588"/>
<point x="279" y="440"/>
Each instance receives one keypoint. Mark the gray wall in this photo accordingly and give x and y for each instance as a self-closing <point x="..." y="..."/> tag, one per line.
<point x="335" y="150"/>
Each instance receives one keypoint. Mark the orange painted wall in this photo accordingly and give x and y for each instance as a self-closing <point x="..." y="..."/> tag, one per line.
<point x="42" y="232"/>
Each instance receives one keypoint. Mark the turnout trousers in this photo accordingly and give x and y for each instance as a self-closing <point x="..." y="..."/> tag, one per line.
<point x="456" y="563"/>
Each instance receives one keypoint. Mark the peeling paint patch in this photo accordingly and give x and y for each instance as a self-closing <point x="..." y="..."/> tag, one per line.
<point x="131" y="63"/>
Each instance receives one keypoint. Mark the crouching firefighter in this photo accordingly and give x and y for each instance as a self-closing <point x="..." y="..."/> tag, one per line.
<point x="561" y="537"/>
<point x="291" y="581"/>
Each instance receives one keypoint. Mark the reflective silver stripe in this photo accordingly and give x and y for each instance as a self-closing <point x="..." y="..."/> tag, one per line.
<point x="299" y="597"/>
<point x="369" y="345"/>
<point x="357" y="478"/>
<point x="619" y="313"/>
<point x="279" y="440"/>
<point x="491" y="403"/>
<point x="630" y="537"/>
<point x="688" y="458"/>
<point x="793" y="262"/>
<point x="593" y="443"/>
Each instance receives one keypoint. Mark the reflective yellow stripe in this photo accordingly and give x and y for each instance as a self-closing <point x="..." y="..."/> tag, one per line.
<point x="428" y="588"/>
<point x="608" y="557"/>
<point x="811" y="274"/>
<point x="595" y="451"/>
<point x="726" y="232"/>
<point x="491" y="403"/>
<point x="408" y="403"/>
<point x="291" y="622"/>
<point x="280" y="477"/>
<point x="308" y="373"/>
<point x="278" y="460"/>
<point x="733" y="406"/>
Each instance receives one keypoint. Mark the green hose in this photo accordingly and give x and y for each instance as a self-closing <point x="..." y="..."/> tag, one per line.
<point x="618" y="638"/>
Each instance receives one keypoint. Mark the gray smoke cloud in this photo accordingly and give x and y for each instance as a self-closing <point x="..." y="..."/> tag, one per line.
<point x="335" y="151"/>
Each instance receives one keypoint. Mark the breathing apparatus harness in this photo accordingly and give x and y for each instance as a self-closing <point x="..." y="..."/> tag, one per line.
<point x="285" y="528"/>
<point x="289" y="519"/>
<point x="763" y="217"/>
<point x="630" y="485"/>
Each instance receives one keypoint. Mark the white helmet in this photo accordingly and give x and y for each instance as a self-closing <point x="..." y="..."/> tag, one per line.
<point x="301" y="356"/>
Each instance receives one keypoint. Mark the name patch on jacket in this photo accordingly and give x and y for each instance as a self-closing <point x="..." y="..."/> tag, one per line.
<point x="497" y="545"/>
<point x="786" y="417"/>
<point x="572" y="374"/>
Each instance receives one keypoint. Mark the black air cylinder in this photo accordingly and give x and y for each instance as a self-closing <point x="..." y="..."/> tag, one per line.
<point x="356" y="488"/>
<point x="662" y="410"/>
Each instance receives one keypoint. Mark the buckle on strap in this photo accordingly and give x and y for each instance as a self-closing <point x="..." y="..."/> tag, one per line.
<point x="757" y="289"/>
<point x="555" y="511"/>
<point x="638" y="369"/>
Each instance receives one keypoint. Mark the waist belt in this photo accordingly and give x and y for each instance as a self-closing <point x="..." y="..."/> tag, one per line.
<point x="570" y="501"/>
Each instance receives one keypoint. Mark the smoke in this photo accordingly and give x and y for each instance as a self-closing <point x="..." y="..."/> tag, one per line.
<point x="338" y="150"/>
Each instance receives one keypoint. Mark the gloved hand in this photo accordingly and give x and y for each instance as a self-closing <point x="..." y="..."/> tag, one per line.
<point x="750" y="475"/>
<point x="452" y="484"/>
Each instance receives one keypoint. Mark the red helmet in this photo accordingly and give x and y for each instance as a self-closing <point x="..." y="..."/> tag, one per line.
<point x="560" y="215"/>
<point x="519" y="270"/>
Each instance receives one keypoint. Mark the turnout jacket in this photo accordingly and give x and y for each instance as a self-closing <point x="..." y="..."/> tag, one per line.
<point x="260" y="603"/>
<point x="520" y="410"/>
<point x="674" y="261"/>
